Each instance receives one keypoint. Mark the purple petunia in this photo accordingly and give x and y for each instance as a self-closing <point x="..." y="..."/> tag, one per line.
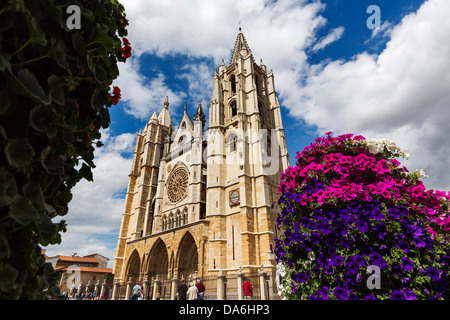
<point x="340" y="293"/>
<point x="398" y="295"/>
<point x="377" y="259"/>
<point x="407" y="264"/>
<point x="433" y="273"/>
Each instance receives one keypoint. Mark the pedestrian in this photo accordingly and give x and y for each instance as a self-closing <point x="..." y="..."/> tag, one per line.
<point x="248" y="289"/>
<point x="136" y="291"/>
<point x="201" y="290"/>
<point x="182" y="289"/>
<point x="192" y="292"/>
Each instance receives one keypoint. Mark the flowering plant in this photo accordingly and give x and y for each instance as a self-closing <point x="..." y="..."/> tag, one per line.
<point x="348" y="208"/>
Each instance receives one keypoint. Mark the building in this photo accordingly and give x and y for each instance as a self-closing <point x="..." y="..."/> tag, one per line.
<point x="199" y="200"/>
<point x="81" y="273"/>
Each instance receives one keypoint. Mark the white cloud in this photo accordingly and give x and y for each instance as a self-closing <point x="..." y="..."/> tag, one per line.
<point x="143" y="95"/>
<point x="199" y="78"/>
<point x="383" y="30"/>
<point x="332" y="36"/>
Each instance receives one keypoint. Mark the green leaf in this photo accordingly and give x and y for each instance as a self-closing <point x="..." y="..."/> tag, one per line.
<point x="35" y="34"/>
<point x="86" y="172"/>
<point x="58" y="52"/>
<point x="8" y="187"/>
<point x="19" y="152"/>
<point x="78" y="42"/>
<point x="23" y="211"/>
<point x="103" y="39"/>
<point x="8" y="276"/>
<point x="57" y="89"/>
<point x="39" y="118"/>
<point x="47" y="231"/>
<point x="5" y="103"/>
<point x="31" y="85"/>
<point x="32" y="190"/>
<point x="5" y="251"/>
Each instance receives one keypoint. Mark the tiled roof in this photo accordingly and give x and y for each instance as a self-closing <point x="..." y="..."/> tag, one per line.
<point x="77" y="259"/>
<point x="85" y="269"/>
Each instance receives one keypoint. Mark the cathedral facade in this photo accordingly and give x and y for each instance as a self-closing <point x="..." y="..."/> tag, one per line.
<point x="199" y="199"/>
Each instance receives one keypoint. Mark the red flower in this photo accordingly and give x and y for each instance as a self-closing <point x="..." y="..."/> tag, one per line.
<point x="126" y="50"/>
<point x="116" y="95"/>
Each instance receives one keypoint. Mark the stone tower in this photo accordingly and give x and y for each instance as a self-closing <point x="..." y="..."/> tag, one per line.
<point x="246" y="154"/>
<point x="199" y="202"/>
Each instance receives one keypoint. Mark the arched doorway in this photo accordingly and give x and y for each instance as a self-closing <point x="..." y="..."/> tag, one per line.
<point x="133" y="267"/>
<point x="187" y="257"/>
<point x="158" y="262"/>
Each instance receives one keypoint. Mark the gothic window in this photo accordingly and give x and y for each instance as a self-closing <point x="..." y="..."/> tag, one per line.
<point x="183" y="125"/>
<point x="257" y="84"/>
<point x="164" y="223"/>
<point x="177" y="184"/>
<point x="233" y="84"/>
<point x="171" y="221"/>
<point x="180" y="141"/>
<point x="233" y="143"/>
<point x="233" y="109"/>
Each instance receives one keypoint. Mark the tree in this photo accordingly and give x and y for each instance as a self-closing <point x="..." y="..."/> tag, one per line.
<point x="57" y="67"/>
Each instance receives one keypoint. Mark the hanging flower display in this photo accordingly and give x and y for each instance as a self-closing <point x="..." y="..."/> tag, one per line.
<point x="358" y="225"/>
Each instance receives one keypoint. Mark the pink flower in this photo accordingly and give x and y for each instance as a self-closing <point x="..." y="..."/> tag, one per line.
<point x="433" y="233"/>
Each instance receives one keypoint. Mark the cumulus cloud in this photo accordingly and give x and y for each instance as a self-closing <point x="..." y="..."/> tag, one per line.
<point x="401" y="93"/>
<point x="142" y="95"/>
<point x="199" y="78"/>
<point x="332" y="36"/>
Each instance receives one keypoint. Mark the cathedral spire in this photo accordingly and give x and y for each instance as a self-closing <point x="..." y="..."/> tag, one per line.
<point x="164" y="116"/>
<point x="240" y="47"/>
<point x="199" y="115"/>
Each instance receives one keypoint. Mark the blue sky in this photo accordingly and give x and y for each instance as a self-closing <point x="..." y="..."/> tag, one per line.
<point x="332" y="73"/>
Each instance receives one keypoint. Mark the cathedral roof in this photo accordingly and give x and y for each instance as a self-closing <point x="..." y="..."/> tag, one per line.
<point x="241" y="44"/>
<point x="185" y="116"/>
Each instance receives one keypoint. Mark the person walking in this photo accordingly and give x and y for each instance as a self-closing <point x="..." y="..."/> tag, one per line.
<point x="201" y="289"/>
<point x="182" y="289"/>
<point x="192" y="293"/>
<point x="248" y="289"/>
<point x="136" y="291"/>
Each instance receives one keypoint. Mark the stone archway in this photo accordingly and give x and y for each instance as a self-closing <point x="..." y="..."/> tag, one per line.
<point x="158" y="261"/>
<point x="187" y="257"/>
<point x="133" y="267"/>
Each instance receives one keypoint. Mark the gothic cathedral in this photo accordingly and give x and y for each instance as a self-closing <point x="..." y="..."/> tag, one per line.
<point x="199" y="200"/>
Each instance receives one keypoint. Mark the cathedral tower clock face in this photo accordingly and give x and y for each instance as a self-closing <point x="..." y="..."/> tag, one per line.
<point x="234" y="197"/>
<point x="177" y="184"/>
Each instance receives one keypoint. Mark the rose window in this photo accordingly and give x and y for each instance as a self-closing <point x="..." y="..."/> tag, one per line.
<point x="177" y="184"/>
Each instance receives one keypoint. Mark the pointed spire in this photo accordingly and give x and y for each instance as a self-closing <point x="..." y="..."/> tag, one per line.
<point x="199" y="115"/>
<point x="166" y="102"/>
<point x="153" y="117"/>
<point x="240" y="46"/>
<point x="164" y="117"/>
